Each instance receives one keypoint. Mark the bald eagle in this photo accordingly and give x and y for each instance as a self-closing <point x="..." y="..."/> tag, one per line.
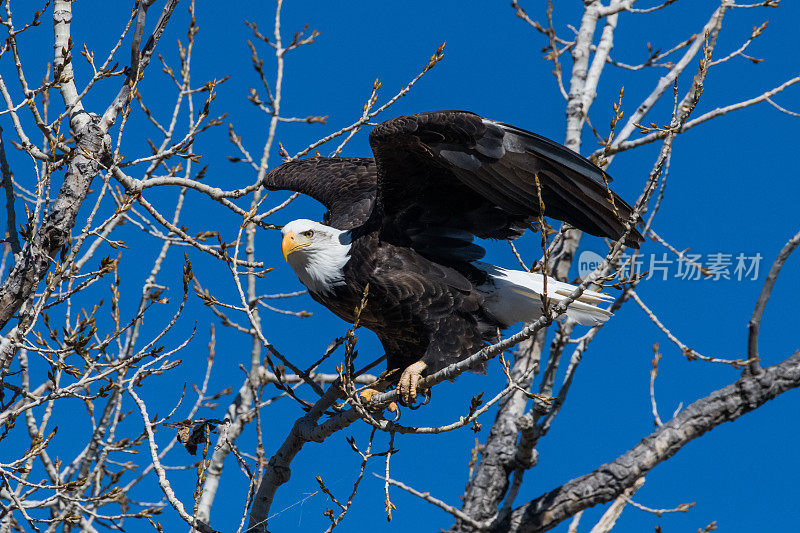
<point x="405" y="221"/>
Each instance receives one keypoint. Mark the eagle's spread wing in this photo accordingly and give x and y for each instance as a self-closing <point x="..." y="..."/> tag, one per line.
<point x="447" y="173"/>
<point x="345" y="186"/>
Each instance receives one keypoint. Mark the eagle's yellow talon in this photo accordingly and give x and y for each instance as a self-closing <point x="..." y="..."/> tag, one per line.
<point x="366" y="397"/>
<point x="367" y="394"/>
<point x="409" y="380"/>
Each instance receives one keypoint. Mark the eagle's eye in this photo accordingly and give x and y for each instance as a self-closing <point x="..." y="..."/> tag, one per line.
<point x="308" y="234"/>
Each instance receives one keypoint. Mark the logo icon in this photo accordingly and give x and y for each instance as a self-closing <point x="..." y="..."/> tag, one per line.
<point x="587" y="262"/>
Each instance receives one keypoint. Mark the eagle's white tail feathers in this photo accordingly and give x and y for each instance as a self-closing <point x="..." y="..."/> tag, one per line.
<point x="515" y="296"/>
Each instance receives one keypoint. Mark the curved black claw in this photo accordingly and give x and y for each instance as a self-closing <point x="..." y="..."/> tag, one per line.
<point x="397" y="413"/>
<point x="426" y="394"/>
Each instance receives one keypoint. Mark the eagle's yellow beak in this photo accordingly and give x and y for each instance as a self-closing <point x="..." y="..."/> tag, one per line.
<point x="291" y="243"/>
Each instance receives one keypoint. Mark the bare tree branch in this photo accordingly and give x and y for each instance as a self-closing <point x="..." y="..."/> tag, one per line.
<point x="754" y="326"/>
<point x="609" y="518"/>
<point x="8" y="186"/>
<point x="611" y="479"/>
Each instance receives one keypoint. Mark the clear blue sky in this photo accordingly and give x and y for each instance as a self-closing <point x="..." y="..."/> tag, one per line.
<point x="732" y="189"/>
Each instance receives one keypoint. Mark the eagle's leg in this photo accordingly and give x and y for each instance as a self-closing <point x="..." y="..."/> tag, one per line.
<point x="409" y="380"/>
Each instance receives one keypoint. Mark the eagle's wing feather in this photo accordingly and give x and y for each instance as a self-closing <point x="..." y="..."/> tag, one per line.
<point x="345" y="186"/>
<point x="425" y="160"/>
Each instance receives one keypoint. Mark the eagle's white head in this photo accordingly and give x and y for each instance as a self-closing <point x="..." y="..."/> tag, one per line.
<point x="317" y="253"/>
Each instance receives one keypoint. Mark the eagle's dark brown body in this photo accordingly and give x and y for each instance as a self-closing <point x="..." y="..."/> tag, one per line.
<point x="420" y="310"/>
